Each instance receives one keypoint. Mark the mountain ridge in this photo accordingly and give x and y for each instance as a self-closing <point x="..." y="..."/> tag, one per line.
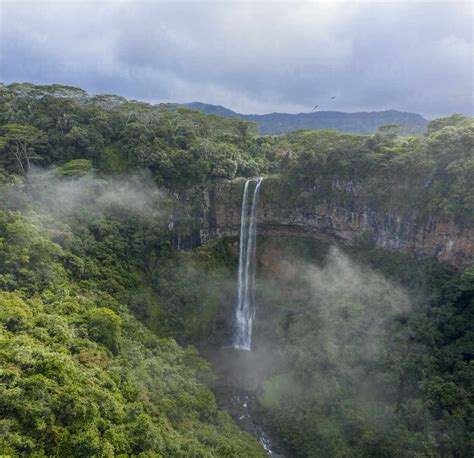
<point x="363" y="122"/>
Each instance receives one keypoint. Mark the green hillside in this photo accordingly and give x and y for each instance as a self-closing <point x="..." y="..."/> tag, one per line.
<point x="105" y="293"/>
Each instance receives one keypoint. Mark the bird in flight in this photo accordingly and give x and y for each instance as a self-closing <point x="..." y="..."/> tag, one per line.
<point x="333" y="97"/>
<point x="316" y="106"/>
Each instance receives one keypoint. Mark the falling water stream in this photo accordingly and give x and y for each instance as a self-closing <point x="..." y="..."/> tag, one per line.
<point x="245" y="308"/>
<point x="239" y="373"/>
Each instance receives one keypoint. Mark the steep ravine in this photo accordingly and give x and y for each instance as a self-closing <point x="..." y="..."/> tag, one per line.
<point x="347" y="219"/>
<point x="238" y="381"/>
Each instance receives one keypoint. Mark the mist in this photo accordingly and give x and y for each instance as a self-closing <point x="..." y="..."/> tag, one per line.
<point x="351" y="306"/>
<point x="43" y="191"/>
<point x="324" y="333"/>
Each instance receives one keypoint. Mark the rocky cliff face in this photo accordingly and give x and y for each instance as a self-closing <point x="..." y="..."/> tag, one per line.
<point x="341" y="221"/>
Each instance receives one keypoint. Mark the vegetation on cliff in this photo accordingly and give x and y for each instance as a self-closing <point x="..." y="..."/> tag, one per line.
<point x="375" y="351"/>
<point x="182" y="148"/>
<point x="96" y="200"/>
<point x="81" y="376"/>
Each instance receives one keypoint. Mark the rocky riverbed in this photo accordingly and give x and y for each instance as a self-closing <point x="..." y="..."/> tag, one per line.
<point x="239" y="375"/>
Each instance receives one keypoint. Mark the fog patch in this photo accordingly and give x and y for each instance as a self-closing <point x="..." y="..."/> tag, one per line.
<point x="354" y="306"/>
<point x="327" y="333"/>
<point x="135" y="195"/>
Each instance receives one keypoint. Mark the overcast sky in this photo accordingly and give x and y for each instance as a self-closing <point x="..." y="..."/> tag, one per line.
<point x="250" y="56"/>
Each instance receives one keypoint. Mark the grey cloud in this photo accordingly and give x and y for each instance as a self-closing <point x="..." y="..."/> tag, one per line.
<point x="250" y="56"/>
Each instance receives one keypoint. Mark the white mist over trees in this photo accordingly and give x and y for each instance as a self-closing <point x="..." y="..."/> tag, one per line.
<point x="104" y="280"/>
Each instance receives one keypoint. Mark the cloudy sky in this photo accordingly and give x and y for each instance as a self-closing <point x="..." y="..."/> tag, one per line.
<point x="250" y="56"/>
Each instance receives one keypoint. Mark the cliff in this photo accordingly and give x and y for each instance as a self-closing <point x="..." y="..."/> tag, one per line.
<point x="344" y="221"/>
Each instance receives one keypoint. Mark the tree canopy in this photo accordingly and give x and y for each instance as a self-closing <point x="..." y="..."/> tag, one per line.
<point x="100" y="277"/>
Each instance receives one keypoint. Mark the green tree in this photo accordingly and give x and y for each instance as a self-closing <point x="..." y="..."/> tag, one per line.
<point x="104" y="327"/>
<point x="75" y="168"/>
<point x="21" y="141"/>
<point x="454" y="120"/>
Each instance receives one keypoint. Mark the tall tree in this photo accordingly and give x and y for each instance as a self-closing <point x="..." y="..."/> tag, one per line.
<point x="21" y="142"/>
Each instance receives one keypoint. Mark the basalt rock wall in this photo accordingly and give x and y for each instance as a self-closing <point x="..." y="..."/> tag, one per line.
<point x="345" y="218"/>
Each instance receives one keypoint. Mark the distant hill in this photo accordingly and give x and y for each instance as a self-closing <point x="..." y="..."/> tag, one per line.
<point x="356" y="123"/>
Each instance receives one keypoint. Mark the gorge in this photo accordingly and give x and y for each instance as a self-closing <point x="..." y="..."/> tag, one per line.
<point x="138" y="317"/>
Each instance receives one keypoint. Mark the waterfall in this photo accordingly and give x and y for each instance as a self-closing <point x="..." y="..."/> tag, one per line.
<point x="245" y="308"/>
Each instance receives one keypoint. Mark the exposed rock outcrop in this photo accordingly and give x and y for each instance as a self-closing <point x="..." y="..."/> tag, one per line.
<point x="339" y="220"/>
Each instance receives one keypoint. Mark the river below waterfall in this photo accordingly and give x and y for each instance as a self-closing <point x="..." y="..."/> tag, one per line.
<point x="236" y="387"/>
<point x="240" y="369"/>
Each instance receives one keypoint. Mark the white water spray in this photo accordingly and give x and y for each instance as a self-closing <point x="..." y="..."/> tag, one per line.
<point x="245" y="309"/>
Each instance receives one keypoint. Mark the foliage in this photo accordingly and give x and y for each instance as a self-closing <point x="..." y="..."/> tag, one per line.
<point x="430" y="175"/>
<point x="80" y="374"/>
<point x="20" y="141"/>
<point x="361" y="380"/>
<point x="184" y="148"/>
<point x="76" y="167"/>
<point x="181" y="147"/>
<point x="95" y="285"/>
<point x="454" y="120"/>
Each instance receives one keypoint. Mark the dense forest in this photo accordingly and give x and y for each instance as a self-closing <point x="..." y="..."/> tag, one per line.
<point x="100" y="308"/>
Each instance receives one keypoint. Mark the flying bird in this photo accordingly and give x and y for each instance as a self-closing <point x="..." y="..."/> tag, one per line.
<point x="316" y="106"/>
<point x="333" y="97"/>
